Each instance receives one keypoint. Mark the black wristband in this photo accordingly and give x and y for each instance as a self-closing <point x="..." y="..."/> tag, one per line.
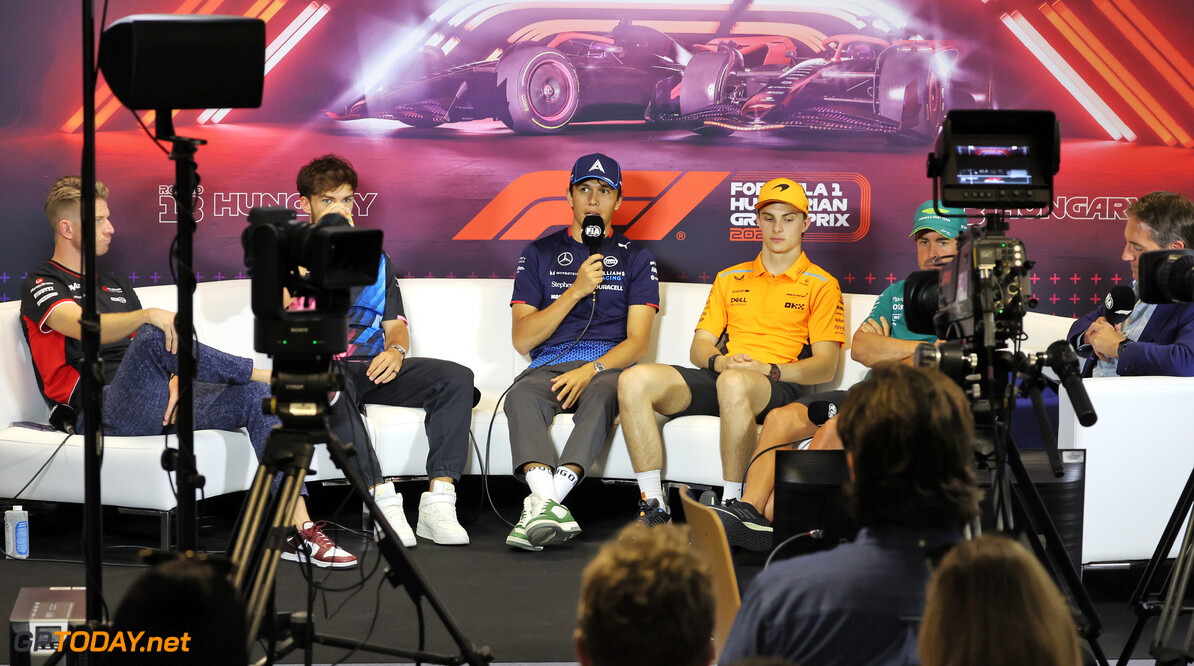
<point x="775" y="372"/>
<point x="713" y="362"/>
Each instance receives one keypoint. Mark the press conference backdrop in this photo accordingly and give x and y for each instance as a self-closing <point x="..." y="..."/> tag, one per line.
<point x="463" y="118"/>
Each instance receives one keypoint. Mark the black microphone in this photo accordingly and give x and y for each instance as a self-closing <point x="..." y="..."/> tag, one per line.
<point x="1064" y="362"/>
<point x="592" y="232"/>
<point x="1118" y="304"/>
<point x="820" y="411"/>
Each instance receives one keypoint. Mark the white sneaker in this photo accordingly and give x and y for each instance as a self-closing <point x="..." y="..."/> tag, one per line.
<point x="390" y="504"/>
<point x="437" y="516"/>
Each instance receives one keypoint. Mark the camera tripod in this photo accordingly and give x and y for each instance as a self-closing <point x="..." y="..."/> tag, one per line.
<point x="1168" y="600"/>
<point x="264" y="525"/>
<point x="1018" y="507"/>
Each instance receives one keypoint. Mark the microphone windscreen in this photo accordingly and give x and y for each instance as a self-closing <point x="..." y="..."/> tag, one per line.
<point x="820" y="411"/>
<point x="1118" y="304"/>
<point x="592" y="232"/>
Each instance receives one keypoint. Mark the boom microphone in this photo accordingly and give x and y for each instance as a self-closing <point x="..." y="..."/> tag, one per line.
<point x="1118" y="304"/>
<point x="1064" y="362"/>
<point x="592" y="232"/>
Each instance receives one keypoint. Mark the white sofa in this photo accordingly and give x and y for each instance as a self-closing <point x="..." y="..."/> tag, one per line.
<point x="463" y="320"/>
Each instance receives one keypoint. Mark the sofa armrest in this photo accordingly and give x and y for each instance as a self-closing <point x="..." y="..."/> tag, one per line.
<point x="1138" y="458"/>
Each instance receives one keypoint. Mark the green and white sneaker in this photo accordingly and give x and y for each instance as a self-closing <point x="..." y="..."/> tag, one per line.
<point x="553" y="524"/>
<point x="518" y="536"/>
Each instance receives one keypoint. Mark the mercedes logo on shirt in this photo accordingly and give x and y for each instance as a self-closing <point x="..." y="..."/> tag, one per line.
<point x="565" y="259"/>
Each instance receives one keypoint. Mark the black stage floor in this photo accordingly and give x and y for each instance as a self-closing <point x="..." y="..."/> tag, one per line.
<point x="521" y="605"/>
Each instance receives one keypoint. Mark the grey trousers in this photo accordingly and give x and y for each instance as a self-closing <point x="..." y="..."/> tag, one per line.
<point x="531" y="405"/>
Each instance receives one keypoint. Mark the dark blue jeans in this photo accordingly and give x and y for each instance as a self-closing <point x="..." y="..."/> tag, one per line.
<point x="225" y="398"/>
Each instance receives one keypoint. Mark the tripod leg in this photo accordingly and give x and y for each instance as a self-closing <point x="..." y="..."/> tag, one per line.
<point x="1144" y="589"/>
<point x="1036" y="521"/>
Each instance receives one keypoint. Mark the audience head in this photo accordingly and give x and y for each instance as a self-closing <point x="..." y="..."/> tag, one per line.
<point x="185" y="596"/>
<point x="991" y="602"/>
<point x="646" y="599"/>
<point x="909" y="434"/>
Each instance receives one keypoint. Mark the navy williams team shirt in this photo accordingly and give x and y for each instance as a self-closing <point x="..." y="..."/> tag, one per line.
<point x="548" y="267"/>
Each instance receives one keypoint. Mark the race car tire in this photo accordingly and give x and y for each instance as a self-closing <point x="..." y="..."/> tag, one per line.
<point x="542" y="89"/>
<point x="910" y="92"/>
<point x="706" y="82"/>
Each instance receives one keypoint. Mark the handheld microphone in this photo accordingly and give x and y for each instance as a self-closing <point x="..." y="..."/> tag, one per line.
<point x="592" y="232"/>
<point x="1118" y="304"/>
<point x="820" y="411"/>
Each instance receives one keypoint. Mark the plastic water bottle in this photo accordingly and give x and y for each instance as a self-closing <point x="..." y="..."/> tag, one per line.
<point x="16" y="533"/>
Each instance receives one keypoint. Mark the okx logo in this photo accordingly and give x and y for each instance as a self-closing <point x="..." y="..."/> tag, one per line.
<point x="654" y="202"/>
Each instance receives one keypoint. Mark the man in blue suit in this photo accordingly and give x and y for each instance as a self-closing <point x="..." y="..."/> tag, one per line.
<point x="1155" y="339"/>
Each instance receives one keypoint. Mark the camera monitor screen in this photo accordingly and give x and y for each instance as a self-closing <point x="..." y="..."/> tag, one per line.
<point x="991" y="163"/>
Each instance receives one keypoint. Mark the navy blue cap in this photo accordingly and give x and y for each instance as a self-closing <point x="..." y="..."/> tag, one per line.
<point x="598" y="166"/>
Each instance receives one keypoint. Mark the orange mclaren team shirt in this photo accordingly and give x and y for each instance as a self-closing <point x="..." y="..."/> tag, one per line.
<point x="773" y="317"/>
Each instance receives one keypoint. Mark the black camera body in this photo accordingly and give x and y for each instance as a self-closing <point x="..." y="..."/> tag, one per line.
<point x="320" y="262"/>
<point x="995" y="160"/>
<point x="983" y="292"/>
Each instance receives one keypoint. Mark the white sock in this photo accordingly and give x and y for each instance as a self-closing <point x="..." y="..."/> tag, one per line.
<point x="651" y="487"/>
<point x="733" y="490"/>
<point x="565" y="481"/>
<point x="542" y="482"/>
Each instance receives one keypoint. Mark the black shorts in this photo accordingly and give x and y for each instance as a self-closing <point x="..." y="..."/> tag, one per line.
<point x="702" y="384"/>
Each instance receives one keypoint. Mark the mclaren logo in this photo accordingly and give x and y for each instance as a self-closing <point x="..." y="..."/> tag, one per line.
<point x="782" y="186"/>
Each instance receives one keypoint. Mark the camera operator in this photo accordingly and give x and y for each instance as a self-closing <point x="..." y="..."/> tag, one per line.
<point x="1155" y="339"/>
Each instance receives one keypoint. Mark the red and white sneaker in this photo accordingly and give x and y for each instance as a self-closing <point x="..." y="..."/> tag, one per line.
<point x="312" y="544"/>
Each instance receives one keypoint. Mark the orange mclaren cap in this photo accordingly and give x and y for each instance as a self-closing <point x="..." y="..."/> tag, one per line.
<point x="783" y="190"/>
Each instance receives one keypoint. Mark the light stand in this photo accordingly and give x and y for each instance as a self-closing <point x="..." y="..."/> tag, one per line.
<point x="166" y="62"/>
<point x="92" y="380"/>
<point x="182" y="461"/>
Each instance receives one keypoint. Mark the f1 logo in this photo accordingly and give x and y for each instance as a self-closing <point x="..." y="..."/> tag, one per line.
<point x="654" y="201"/>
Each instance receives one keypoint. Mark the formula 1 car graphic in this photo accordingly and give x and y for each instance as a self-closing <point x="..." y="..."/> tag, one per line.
<point x="858" y="83"/>
<point x="537" y="87"/>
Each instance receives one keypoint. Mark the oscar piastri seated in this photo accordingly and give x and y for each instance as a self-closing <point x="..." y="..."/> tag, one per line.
<point x="584" y="318"/>
<point x="139" y="348"/>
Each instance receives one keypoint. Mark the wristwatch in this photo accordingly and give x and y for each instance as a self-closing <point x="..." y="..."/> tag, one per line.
<point x="774" y="372"/>
<point x="1122" y="343"/>
<point x="598" y="365"/>
<point x="400" y="348"/>
<point x="713" y="362"/>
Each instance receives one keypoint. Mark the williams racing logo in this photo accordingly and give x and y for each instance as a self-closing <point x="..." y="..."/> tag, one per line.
<point x="839" y="205"/>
